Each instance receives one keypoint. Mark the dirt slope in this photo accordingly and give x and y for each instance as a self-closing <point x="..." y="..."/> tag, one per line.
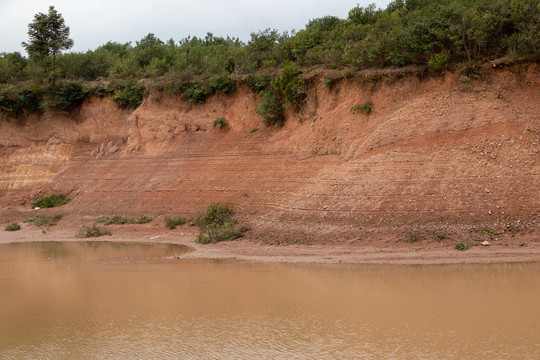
<point x="437" y="156"/>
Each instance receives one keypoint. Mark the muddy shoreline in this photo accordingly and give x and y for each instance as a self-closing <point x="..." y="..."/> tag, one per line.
<point x="519" y="248"/>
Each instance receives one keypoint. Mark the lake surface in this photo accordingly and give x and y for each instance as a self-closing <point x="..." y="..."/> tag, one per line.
<point x="100" y="300"/>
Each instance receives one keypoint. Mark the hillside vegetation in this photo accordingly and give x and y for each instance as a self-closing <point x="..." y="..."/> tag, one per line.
<point x="435" y="34"/>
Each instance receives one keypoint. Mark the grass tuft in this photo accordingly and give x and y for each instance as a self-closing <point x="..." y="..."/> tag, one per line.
<point x="120" y="220"/>
<point x="143" y="220"/>
<point x="42" y="219"/>
<point x="51" y="200"/>
<point x="92" y="231"/>
<point x="411" y="238"/>
<point x="172" y="223"/>
<point x="219" y="123"/>
<point x="12" y="227"/>
<point x="365" y="108"/>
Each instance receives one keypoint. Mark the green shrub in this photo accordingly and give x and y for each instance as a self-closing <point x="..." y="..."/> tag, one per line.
<point x="462" y="246"/>
<point x="120" y="220"/>
<point x="117" y="220"/>
<point x="130" y="97"/>
<point x="415" y="32"/>
<point x="438" y="62"/>
<point x="220" y="123"/>
<point x="291" y="86"/>
<point x="197" y="94"/>
<point x="326" y="81"/>
<point x="365" y="108"/>
<point x="31" y="97"/>
<point x="102" y="90"/>
<point x="411" y="238"/>
<point x="218" y="224"/>
<point x="269" y="108"/>
<point x="215" y="233"/>
<point x="92" y="231"/>
<point x="489" y="231"/>
<point x="287" y="90"/>
<point x="51" y="200"/>
<point x="12" y="227"/>
<point x="253" y="130"/>
<point x="464" y="82"/>
<point x="258" y="83"/>
<point x="42" y="219"/>
<point x="14" y="100"/>
<point x="216" y="214"/>
<point x="172" y="223"/>
<point x="65" y="96"/>
<point x="224" y="84"/>
<point x="143" y="220"/>
<point x="10" y="103"/>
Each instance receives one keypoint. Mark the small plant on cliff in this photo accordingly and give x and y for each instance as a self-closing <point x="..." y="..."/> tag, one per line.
<point x="42" y="219"/>
<point x="365" y="108"/>
<point x="130" y="97"/>
<point x="287" y="90"/>
<point x="461" y="247"/>
<point x="197" y="94"/>
<point x="12" y="227"/>
<point x="218" y="224"/>
<point x="51" y="200"/>
<point x="411" y="238"/>
<point x="464" y="82"/>
<point x="269" y="108"/>
<point x="172" y="223"/>
<point x="219" y="123"/>
<point x="258" y="83"/>
<point x="92" y="231"/>
<point x="326" y="82"/>
<point x="291" y="86"/>
<point x="489" y="231"/>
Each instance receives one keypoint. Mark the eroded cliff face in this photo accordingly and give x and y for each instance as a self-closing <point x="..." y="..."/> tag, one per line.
<point x="434" y="155"/>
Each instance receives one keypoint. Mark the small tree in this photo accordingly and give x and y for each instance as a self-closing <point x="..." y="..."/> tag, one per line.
<point x="48" y="36"/>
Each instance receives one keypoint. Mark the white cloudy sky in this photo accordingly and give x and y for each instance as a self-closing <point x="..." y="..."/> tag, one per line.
<point x="95" y="22"/>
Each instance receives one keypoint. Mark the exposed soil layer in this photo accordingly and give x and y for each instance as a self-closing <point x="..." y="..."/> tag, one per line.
<point x="440" y="160"/>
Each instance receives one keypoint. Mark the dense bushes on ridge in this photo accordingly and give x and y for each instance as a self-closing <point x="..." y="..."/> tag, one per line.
<point x="436" y="33"/>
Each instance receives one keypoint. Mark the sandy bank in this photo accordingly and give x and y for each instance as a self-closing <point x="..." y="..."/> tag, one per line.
<point x="384" y="250"/>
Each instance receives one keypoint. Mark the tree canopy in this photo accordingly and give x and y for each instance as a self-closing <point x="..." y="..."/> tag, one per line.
<point x="48" y="36"/>
<point x="435" y="34"/>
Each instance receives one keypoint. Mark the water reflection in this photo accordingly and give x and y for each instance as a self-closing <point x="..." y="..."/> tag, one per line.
<point x="58" y="309"/>
<point x="50" y="249"/>
<point x="85" y="251"/>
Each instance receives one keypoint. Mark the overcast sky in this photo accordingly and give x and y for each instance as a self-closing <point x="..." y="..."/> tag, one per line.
<point x="95" y="22"/>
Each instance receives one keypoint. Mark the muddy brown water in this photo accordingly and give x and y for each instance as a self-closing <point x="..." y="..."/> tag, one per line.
<point x="100" y="300"/>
